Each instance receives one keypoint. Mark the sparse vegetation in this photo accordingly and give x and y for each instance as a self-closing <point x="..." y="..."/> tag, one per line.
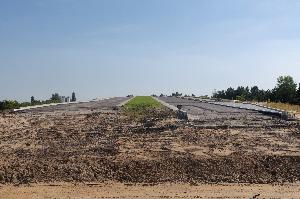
<point x="285" y="106"/>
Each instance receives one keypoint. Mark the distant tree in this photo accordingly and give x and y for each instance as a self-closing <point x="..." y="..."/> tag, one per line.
<point x="286" y="89"/>
<point x="32" y="100"/>
<point x="24" y="104"/>
<point x="9" y="104"/>
<point x="73" y="99"/>
<point x="262" y="96"/>
<point x="254" y="93"/>
<point x="247" y="93"/>
<point x="177" y="94"/>
<point x="241" y="93"/>
<point x="230" y="93"/>
<point x="55" y="98"/>
<point x="219" y="94"/>
<point x="241" y="97"/>
<point x="298" y="95"/>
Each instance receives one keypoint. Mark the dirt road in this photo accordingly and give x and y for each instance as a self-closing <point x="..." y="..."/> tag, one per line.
<point x="112" y="190"/>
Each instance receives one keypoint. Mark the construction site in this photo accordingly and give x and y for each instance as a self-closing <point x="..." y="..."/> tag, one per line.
<point x="132" y="99"/>
<point x="215" y="150"/>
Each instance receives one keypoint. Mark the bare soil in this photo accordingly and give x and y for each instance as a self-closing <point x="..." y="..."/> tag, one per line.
<point x="97" y="143"/>
<point x="112" y="190"/>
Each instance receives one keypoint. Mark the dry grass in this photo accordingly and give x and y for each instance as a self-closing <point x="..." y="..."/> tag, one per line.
<point x="284" y="106"/>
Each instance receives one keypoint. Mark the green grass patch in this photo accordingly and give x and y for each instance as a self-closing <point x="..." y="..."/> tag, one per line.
<point x="142" y="107"/>
<point x="142" y="102"/>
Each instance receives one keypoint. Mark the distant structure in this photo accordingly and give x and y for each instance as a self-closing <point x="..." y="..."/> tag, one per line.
<point x="62" y="98"/>
<point x="73" y="97"/>
<point x="68" y="99"/>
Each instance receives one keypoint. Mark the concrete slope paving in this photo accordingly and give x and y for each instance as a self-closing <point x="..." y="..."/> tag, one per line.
<point x="216" y="114"/>
<point x="103" y="104"/>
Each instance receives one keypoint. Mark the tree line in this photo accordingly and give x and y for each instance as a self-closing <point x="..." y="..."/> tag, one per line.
<point x="286" y="91"/>
<point x="13" y="104"/>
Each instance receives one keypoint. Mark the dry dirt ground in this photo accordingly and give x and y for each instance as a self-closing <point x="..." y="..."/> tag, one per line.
<point x="172" y="191"/>
<point x="96" y="143"/>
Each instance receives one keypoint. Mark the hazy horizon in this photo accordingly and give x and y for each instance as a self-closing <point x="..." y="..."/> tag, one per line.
<point x="102" y="48"/>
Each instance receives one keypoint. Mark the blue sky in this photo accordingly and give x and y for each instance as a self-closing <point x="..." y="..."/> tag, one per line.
<point x="119" y="47"/>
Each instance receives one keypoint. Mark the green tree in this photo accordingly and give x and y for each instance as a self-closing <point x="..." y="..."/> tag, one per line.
<point x="177" y="94"/>
<point x="9" y="104"/>
<point x="55" y="98"/>
<point x="219" y="94"/>
<point x="32" y="100"/>
<point x="254" y="93"/>
<point x="286" y="88"/>
<point x="241" y="97"/>
<point x="298" y="95"/>
<point x="230" y="93"/>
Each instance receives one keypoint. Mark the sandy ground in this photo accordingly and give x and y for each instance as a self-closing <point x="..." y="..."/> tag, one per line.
<point x="118" y="190"/>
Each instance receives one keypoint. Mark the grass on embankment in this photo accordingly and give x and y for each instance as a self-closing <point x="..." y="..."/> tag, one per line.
<point x="142" y="107"/>
<point x="142" y="102"/>
<point x="295" y="109"/>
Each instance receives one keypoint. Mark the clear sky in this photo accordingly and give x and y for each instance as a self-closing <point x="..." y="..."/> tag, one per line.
<point x="119" y="47"/>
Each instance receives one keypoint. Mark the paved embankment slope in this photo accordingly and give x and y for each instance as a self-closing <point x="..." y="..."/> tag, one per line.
<point x="107" y="103"/>
<point x="216" y="114"/>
